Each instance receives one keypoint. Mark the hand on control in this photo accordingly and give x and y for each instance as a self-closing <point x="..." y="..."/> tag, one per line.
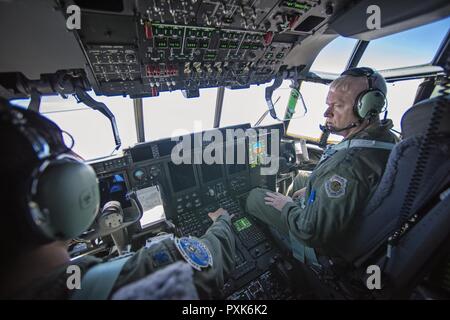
<point x="276" y="200"/>
<point x="214" y="215"/>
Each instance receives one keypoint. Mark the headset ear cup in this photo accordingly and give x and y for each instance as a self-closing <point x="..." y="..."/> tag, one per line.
<point x="359" y="105"/>
<point x="66" y="199"/>
<point x="370" y="102"/>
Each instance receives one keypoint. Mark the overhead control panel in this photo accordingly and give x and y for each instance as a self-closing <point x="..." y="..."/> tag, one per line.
<point x="187" y="45"/>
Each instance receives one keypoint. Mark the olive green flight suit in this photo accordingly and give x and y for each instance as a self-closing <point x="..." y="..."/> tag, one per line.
<point x="219" y="239"/>
<point x="337" y="189"/>
<point x="300" y="182"/>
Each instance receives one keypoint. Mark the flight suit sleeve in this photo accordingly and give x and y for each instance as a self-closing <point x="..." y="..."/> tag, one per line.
<point x="331" y="201"/>
<point x="300" y="181"/>
<point x="220" y="240"/>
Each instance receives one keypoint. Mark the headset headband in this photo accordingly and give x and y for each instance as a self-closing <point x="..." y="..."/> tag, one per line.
<point x="370" y="101"/>
<point x="360" y="72"/>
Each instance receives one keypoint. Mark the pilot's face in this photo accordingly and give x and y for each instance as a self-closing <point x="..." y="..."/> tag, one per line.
<point x="339" y="113"/>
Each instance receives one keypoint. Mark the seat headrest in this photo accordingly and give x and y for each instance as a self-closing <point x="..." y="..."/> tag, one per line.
<point x="415" y="121"/>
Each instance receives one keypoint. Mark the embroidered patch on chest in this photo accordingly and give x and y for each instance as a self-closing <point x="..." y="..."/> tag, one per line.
<point x="335" y="186"/>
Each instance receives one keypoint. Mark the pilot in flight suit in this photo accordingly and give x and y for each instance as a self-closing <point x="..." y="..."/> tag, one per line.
<point x="36" y="268"/>
<point x="337" y="189"/>
<point x="219" y="239"/>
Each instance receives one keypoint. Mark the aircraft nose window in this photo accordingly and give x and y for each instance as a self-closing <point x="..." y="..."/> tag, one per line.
<point x="178" y="113"/>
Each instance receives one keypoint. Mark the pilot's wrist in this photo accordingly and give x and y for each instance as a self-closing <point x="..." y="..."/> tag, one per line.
<point x="224" y="217"/>
<point x="286" y="210"/>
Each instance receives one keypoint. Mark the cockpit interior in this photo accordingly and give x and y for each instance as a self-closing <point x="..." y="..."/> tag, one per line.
<point x="61" y="56"/>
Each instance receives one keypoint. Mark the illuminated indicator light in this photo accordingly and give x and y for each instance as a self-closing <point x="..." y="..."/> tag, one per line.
<point x="148" y="30"/>
<point x="233" y="45"/>
<point x="268" y="37"/>
<point x="157" y="71"/>
<point x="149" y="70"/>
<point x="161" y="43"/>
<point x="296" y="5"/>
<point x="191" y="44"/>
<point x="223" y="45"/>
<point x="157" y="31"/>
<point x="204" y="44"/>
<point x="210" y="56"/>
<point x="174" y="43"/>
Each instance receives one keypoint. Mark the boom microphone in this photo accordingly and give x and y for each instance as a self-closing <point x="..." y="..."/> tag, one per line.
<point x="324" y="136"/>
<point x="335" y="130"/>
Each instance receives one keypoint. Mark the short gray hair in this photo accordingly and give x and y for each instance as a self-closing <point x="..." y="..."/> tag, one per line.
<point x="345" y="82"/>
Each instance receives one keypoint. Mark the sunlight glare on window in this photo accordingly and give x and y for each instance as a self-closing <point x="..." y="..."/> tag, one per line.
<point x="90" y="129"/>
<point x="248" y="105"/>
<point x="171" y="112"/>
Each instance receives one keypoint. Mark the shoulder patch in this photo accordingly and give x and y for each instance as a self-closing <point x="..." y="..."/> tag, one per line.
<point x="194" y="252"/>
<point x="335" y="186"/>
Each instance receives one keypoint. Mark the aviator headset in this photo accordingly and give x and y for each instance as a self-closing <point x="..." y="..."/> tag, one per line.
<point x="369" y="102"/>
<point x="62" y="193"/>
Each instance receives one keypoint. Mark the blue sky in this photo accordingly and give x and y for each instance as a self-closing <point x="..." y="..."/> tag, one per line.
<point x="411" y="47"/>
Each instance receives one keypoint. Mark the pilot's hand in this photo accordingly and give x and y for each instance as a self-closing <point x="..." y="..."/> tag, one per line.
<point x="214" y="215"/>
<point x="299" y="194"/>
<point x="276" y="200"/>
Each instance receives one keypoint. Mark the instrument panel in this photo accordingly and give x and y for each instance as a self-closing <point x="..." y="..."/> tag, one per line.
<point x="158" y="46"/>
<point x="194" y="187"/>
<point x="190" y="191"/>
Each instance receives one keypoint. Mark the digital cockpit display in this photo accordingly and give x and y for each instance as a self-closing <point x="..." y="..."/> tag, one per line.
<point x="239" y="157"/>
<point x="182" y="176"/>
<point x="258" y="151"/>
<point x="113" y="188"/>
<point x="211" y="172"/>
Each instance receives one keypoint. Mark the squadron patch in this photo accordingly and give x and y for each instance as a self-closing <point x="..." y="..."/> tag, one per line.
<point x="194" y="252"/>
<point x="335" y="186"/>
